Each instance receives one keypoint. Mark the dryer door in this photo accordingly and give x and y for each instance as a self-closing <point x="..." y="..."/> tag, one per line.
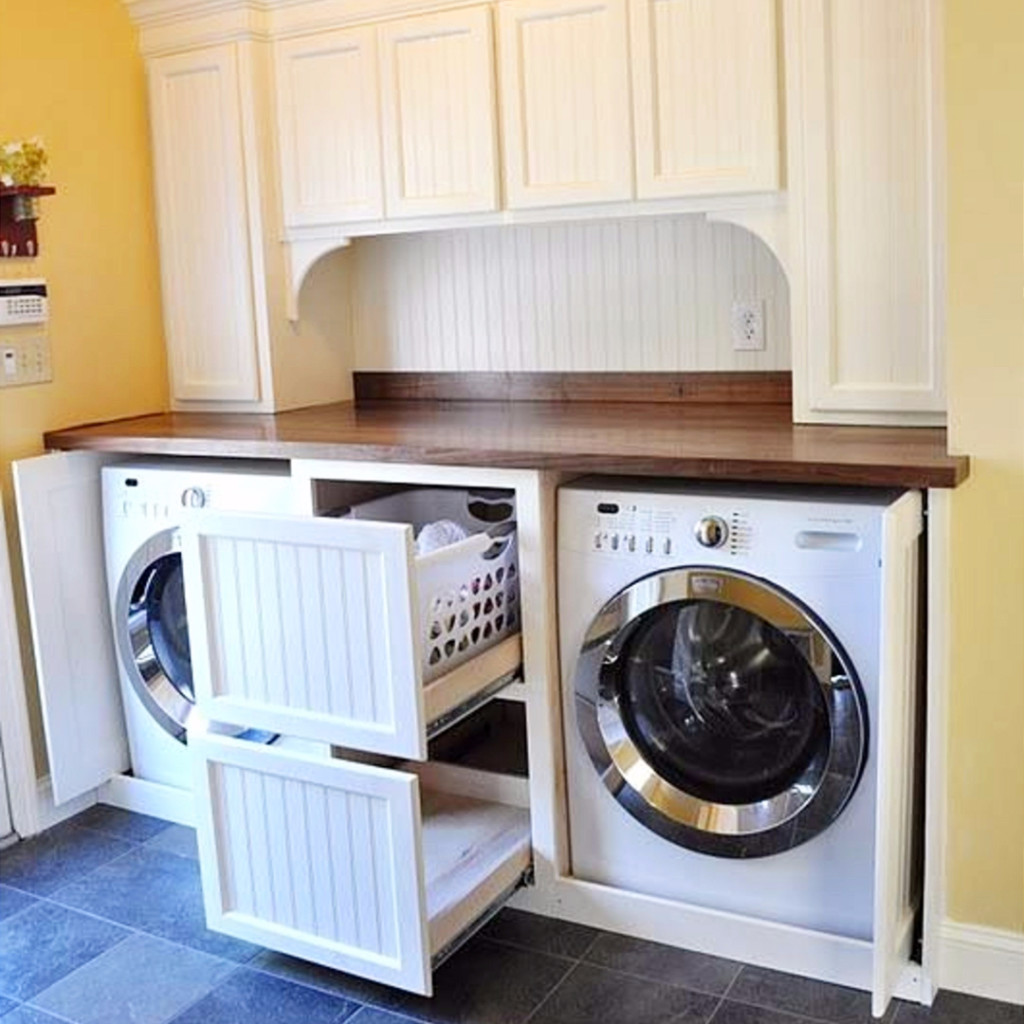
<point x="720" y="712"/>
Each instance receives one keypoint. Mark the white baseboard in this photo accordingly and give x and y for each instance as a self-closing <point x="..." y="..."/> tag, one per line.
<point x="982" y="961"/>
<point x="132" y="794"/>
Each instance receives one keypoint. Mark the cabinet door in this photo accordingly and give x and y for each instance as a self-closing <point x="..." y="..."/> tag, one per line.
<point x="705" y="96"/>
<point x="328" y="110"/>
<point x="437" y="90"/>
<point x="866" y="208"/>
<point x="565" y="102"/>
<point x="202" y="214"/>
<point x="60" y="519"/>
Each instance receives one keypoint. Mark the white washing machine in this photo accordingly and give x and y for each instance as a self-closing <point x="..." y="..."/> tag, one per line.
<point x="144" y="503"/>
<point x="720" y="652"/>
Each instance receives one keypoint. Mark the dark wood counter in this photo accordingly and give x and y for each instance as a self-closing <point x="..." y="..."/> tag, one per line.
<point x="727" y="442"/>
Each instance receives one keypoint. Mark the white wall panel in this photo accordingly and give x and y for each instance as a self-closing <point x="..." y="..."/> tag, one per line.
<point x="644" y="294"/>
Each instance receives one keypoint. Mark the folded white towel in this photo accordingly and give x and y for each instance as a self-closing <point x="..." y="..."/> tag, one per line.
<point x="440" y="534"/>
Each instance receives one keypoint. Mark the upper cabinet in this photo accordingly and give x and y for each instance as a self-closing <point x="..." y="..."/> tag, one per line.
<point x="437" y="90"/>
<point x="865" y="208"/>
<point x="565" y="101"/>
<point x="328" y="109"/>
<point x="705" y="96"/>
<point x="204" y="203"/>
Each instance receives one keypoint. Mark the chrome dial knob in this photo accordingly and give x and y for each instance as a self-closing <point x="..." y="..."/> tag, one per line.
<point x="711" y="532"/>
<point x="193" y="497"/>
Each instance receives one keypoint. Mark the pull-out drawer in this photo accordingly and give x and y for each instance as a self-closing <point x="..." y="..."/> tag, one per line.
<point x="365" y="869"/>
<point x="314" y="627"/>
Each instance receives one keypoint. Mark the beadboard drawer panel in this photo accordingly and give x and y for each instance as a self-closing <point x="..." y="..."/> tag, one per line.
<point x="328" y="109"/>
<point x="353" y="866"/>
<point x="203" y="205"/>
<point x="310" y="627"/>
<point x="705" y="96"/>
<point x="565" y="102"/>
<point x="437" y="89"/>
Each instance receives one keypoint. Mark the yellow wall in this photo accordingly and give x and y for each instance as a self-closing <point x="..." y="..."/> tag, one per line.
<point x="985" y="102"/>
<point x="70" y="72"/>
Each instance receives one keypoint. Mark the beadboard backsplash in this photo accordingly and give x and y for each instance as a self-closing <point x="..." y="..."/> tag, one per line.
<point x="634" y="294"/>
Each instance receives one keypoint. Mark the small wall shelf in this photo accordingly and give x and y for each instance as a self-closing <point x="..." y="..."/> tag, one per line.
<point x="18" y="236"/>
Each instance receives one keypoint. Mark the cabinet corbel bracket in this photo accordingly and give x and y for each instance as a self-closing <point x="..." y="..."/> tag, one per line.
<point x="300" y="255"/>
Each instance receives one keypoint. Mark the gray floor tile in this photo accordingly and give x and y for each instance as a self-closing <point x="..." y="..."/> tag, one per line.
<point x="43" y="864"/>
<point x="154" y="892"/>
<point x="663" y="963"/>
<point x="30" y="1015"/>
<point x="830" y="1003"/>
<point x="45" y="943"/>
<point x="371" y="1015"/>
<point x="142" y="980"/>
<point x="544" y="934"/>
<point x="591" y="995"/>
<point x="956" y="1008"/>
<point x="740" y="1013"/>
<point x="250" y="996"/>
<point x="13" y="900"/>
<point x="127" y="825"/>
<point x="484" y="983"/>
<point x="6" y="1005"/>
<point x="177" y="839"/>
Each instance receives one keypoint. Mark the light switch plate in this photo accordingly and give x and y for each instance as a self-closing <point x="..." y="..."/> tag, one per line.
<point x="25" y="360"/>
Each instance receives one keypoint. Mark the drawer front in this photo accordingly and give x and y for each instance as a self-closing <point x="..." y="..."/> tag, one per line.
<point x="306" y="627"/>
<point x="317" y="858"/>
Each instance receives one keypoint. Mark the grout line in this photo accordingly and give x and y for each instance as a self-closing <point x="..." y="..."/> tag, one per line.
<point x="561" y="981"/>
<point x="524" y="948"/>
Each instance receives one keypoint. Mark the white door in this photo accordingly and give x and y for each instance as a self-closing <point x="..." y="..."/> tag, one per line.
<point x="565" y="102"/>
<point x="705" y="96"/>
<point x="202" y="215"/>
<point x="60" y="519"/>
<point x="437" y="94"/>
<point x="866" y="202"/>
<point x="328" y="109"/>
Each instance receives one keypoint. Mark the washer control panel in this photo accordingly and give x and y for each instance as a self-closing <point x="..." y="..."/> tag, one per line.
<point x="640" y="531"/>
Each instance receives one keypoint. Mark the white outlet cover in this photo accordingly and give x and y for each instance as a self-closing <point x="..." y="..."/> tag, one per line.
<point x="748" y="325"/>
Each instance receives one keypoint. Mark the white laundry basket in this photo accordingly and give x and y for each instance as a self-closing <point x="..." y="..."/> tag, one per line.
<point x="467" y="592"/>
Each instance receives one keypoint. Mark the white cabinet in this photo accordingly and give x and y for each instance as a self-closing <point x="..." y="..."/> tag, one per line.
<point x="867" y="244"/>
<point x="328" y="109"/>
<point x="705" y="96"/>
<point x="565" y="102"/>
<point x="362" y="868"/>
<point x="204" y="204"/>
<point x="437" y="91"/>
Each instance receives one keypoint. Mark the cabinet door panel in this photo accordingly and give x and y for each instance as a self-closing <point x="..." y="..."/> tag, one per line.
<point x="565" y="102"/>
<point x="705" y="96"/>
<point x="437" y="89"/>
<point x="202" y="201"/>
<point x="329" y="116"/>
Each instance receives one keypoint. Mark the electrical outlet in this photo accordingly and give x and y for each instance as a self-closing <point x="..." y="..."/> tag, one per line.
<point x="25" y="360"/>
<point x="748" y="326"/>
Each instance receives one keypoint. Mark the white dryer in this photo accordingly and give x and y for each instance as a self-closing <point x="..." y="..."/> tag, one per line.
<point x="720" y="651"/>
<point x="144" y="503"/>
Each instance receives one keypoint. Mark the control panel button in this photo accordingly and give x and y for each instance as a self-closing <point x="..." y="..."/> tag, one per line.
<point x="666" y="546"/>
<point x="193" y="497"/>
<point x="631" y="544"/>
<point x="711" y="532"/>
<point x="649" y="546"/>
<point x="615" y="542"/>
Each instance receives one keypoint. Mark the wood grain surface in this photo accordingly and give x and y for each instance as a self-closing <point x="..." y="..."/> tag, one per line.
<point x="726" y="442"/>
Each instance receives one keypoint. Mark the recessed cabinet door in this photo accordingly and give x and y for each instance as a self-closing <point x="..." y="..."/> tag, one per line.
<point x="329" y="117"/>
<point x="705" y="96"/>
<point x="437" y="90"/>
<point x="565" y="102"/>
<point x="203" y="211"/>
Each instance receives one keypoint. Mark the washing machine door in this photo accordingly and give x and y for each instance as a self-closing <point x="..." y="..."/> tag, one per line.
<point x="152" y="632"/>
<point x="720" y="712"/>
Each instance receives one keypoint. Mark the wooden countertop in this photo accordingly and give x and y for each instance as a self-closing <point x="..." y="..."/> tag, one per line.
<point x="726" y="442"/>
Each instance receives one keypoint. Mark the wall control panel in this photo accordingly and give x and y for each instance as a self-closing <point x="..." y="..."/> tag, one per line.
<point x="23" y="301"/>
<point x="24" y="343"/>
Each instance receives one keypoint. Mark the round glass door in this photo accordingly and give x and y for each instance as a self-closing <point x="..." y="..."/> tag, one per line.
<point x="152" y="632"/>
<point x="720" y="713"/>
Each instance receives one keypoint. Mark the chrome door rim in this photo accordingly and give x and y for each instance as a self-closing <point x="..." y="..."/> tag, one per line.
<point x="757" y="829"/>
<point x="173" y="711"/>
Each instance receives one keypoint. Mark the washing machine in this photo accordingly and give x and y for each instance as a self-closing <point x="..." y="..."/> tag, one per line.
<point x="144" y="503"/>
<point x="720" y="652"/>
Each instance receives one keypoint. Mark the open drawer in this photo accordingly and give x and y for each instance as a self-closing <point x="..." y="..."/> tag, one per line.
<point x="370" y="870"/>
<point x="323" y="628"/>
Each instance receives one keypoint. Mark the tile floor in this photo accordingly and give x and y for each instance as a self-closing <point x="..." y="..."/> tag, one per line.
<point x="101" y="922"/>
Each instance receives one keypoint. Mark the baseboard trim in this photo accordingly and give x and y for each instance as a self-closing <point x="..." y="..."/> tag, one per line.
<point x="980" y="961"/>
<point x="144" y="797"/>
